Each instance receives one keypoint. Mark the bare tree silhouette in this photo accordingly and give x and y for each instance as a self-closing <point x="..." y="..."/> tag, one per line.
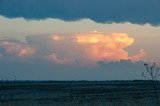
<point x="153" y="74"/>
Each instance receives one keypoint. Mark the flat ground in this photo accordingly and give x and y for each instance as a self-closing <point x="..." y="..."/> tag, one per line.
<point x="79" y="93"/>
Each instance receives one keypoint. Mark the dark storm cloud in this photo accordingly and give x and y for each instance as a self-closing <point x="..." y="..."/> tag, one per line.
<point x="44" y="70"/>
<point x="121" y="65"/>
<point x="134" y="11"/>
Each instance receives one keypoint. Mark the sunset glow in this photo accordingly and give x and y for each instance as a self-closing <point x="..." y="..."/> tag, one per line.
<point x="58" y="60"/>
<point x="138" y="56"/>
<point x="78" y="39"/>
<point x="26" y="51"/>
<point x="17" y="49"/>
<point x="56" y="38"/>
<point x="109" y="47"/>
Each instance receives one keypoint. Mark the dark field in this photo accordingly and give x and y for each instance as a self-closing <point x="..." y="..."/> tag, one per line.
<point x="79" y="93"/>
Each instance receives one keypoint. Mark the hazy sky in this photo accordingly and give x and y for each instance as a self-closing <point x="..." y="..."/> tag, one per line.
<point x="75" y="42"/>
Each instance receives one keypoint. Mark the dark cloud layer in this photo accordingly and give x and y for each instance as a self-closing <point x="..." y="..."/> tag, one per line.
<point x="44" y="70"/>
<point x="134" y="11"/>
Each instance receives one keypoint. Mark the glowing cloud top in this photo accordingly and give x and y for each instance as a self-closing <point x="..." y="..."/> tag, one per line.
<point x="98" y="46"/>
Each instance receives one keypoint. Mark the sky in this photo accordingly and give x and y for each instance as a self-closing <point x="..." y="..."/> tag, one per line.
<point x="78" y="39"/>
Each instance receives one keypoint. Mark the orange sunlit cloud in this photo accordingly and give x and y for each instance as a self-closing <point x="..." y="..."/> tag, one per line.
<point x="109" y="47"/>
<point x="18" y="49"/>
<point x="79" y="48"/>
<point x="56" y="38"/>
<point x="98" y="46"/>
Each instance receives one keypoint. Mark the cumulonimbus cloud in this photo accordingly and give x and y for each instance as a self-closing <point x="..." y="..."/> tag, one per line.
<point x="74" y="48"/>
<point x="134" y="11"/>
<point x="108" y="47"/>
<point x="98" y="46"/>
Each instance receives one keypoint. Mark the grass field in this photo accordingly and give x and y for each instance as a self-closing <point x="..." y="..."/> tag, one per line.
<point x="78" y="93"/>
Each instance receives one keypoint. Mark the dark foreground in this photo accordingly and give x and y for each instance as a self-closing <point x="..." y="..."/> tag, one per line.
<point x="79" y="93"/>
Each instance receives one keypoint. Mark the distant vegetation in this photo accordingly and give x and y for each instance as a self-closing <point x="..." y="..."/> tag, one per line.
<point x="79" y="92"/>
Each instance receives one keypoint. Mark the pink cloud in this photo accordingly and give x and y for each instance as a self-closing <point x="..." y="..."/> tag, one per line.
<point x="58" y="60"/>
<point x="137" y="57"/>
<point x="17" y="49"/>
